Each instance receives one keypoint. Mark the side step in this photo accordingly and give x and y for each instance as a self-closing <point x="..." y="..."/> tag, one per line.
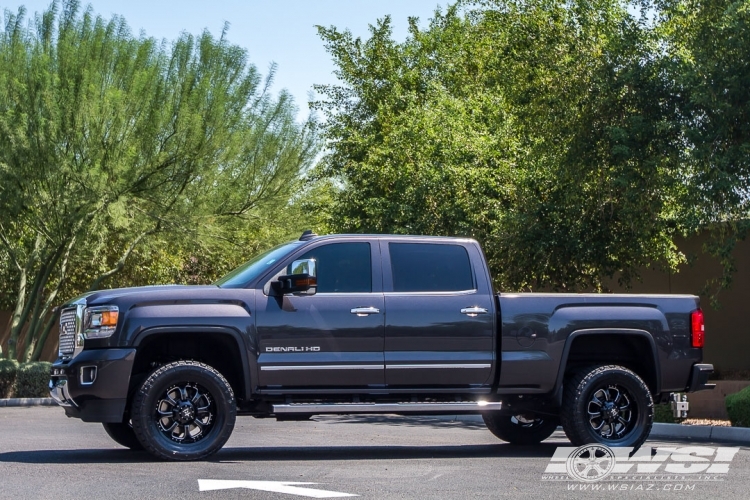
<point x="347" y="408"/>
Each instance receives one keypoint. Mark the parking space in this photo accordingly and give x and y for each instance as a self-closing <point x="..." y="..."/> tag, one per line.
<point x="45" y="455"/>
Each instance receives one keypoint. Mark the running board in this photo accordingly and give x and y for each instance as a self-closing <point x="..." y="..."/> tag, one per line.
<point x="347" y="408"/>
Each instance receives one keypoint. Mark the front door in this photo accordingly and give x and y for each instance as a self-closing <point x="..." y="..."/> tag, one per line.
<point x="333" y="338"/>
<point x="439" y="330"/>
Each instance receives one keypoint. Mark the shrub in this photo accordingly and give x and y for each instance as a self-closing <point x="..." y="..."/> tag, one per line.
<point x="8" y="373"/>
<point x="33" y="380"/>
<point x="738" y="408"/>
<point x="663" y="414"/>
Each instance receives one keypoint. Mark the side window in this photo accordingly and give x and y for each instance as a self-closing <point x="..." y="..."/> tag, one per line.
<point x="342" y="267"/>
<point x="424" y="267"/>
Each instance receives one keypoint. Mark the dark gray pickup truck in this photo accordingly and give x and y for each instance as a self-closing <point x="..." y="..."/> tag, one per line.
<point x="357" y="324"/>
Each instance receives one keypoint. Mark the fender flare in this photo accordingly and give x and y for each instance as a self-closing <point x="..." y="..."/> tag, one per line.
<point x="209" y="330"/>
<point x="557" y="394"/>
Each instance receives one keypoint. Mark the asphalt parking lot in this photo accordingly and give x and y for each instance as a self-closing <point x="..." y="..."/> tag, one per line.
<point x="43" y="454"/>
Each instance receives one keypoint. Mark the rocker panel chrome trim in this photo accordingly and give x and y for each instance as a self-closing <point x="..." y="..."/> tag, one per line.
<point x="385" y="407"/>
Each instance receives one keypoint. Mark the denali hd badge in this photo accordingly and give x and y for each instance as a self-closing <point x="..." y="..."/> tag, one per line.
<point x="293" y="349"/>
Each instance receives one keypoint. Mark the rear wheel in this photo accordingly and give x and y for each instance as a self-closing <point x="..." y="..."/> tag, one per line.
<point x="520" y="429"/>
<point x="184" y="411"/>
<point x="610" y="405"/>
<point x="123" y="434"/>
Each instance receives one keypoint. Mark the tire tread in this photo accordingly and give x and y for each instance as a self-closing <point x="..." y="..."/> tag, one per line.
<point x="143" y="392"/>
<point x="576" y="428"/>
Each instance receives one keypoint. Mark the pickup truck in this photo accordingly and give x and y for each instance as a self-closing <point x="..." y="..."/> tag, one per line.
<point x="368" y="324"/>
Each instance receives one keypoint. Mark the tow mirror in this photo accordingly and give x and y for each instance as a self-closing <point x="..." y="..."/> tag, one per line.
<point x="303" y="279"/>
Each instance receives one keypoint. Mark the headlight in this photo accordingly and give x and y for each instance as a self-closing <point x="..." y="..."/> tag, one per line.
<point x="100" y="322"/>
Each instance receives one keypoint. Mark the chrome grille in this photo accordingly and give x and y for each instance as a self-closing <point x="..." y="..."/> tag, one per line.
<point x="67" y="332"/>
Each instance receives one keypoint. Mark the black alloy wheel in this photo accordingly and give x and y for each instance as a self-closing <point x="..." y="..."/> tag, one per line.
<point x="610" y="405"/>
<point x="184" y="411"/>
<point x="611" y="412"/>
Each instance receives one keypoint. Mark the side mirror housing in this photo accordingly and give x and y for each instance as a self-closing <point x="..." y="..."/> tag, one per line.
<point x="303" y="279"/>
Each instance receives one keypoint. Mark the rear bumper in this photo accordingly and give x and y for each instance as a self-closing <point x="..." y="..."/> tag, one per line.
<point x="93" y="386"/>
<point x="699" y="378"/>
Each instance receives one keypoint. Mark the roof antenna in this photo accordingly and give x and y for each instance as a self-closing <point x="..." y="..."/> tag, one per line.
<point x="307" y="235"/>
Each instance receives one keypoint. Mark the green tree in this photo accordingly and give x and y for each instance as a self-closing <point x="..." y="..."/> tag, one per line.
<point x="707" y="56"/>
<point x="110" y="142"/>
<point x="545" y="129"/>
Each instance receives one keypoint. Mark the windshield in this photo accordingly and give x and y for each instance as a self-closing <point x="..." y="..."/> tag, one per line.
<point x="256" y="266"/>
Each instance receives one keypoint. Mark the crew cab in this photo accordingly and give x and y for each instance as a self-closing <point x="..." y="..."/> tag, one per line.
<point x="364" y="324"/>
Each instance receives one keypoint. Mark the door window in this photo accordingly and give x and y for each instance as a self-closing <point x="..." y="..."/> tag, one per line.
<point x="424" y="267"/>
<point x="342" y="267"/>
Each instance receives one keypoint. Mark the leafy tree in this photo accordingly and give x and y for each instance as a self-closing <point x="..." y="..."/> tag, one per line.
<point x="707" y="55"/>
<point x="110" y="142"/>
<point x="546" y="129"/>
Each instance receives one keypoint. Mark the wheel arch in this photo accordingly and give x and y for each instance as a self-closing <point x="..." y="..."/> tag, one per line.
<point x="202" y="343"/>
<point x="646" y="366"/>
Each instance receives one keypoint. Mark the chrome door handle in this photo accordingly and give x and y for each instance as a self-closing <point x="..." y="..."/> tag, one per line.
<point x="364" y="311"/>
<point x="473" y="311"/>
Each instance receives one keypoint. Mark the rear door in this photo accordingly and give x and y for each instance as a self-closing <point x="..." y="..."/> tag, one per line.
<point x="333" y="338"/>
<point x="439" y="328"/>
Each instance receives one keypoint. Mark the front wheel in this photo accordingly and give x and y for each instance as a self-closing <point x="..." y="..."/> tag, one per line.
<point x="184" y="411"/>
<point x="520" y="429"/>
<point x="610" y="405"/>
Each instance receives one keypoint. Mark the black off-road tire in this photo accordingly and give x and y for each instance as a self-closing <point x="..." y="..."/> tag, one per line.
<point x="581" y="413"/>
<point x="510" y="429"/>
<point x="198" y="411"/>
<point x="123" y="434"/>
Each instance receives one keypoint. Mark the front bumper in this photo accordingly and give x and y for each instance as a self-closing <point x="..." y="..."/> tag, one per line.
<point x="93" y="386"/>
<point x="699" y="378"/>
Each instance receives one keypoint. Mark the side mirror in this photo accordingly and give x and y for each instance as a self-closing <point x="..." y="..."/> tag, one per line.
<point x="303" y="279"/>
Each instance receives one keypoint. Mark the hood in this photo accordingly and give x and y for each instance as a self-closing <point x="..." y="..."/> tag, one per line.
<point x="163" y="292"/>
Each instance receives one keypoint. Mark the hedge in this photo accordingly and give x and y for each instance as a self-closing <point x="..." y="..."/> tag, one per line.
<point x="8" y="373"/>
<point x="33" y="380"/>
<point x="738" y="408"/>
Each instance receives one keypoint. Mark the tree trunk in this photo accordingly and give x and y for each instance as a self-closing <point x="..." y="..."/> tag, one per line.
<point x="21" y="311"/>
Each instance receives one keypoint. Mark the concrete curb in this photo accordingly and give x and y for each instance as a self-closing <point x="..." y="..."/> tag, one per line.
<point x="27" y="402"/>
<point x="734" y="435"/>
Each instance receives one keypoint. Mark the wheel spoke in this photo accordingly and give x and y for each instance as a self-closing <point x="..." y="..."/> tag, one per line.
<point x="618" y="395"/>
<point x="196" y="398"/>
<point x="171" y="427"/>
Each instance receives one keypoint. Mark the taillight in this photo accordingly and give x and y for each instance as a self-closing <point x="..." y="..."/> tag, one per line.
<point x="697" y="328"/>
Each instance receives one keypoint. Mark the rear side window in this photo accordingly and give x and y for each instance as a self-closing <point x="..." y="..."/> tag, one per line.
<point x="342" y="267"/>
<point x="424" y="267"/>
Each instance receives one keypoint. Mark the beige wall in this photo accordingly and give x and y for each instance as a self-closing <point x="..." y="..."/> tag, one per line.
<point x="728" y="327"/>
<point x="49" y="353"/>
